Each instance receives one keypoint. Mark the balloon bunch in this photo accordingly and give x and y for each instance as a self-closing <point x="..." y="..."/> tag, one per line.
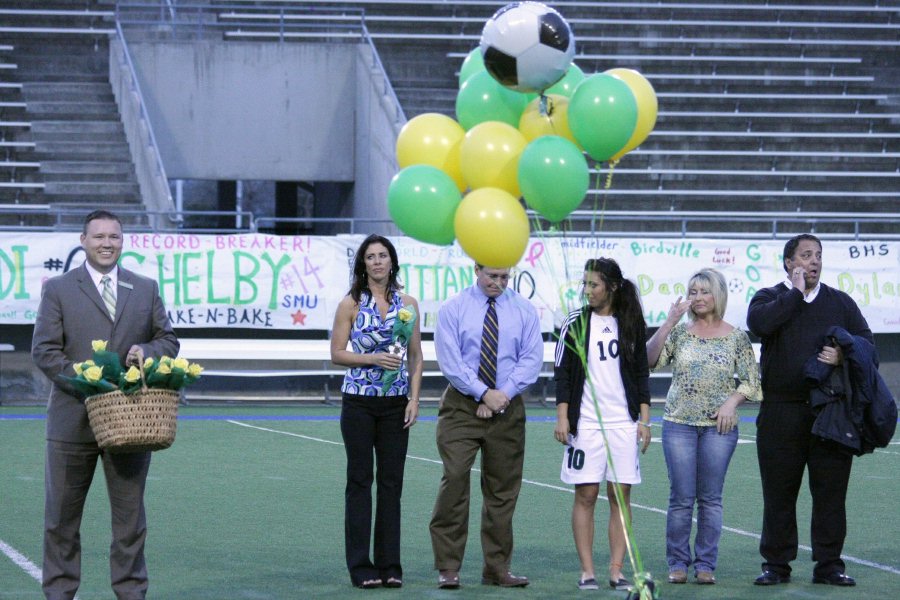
<point x="526" y="117"/>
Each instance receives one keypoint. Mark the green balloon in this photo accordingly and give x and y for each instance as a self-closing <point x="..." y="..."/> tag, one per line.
<point x="553" y="176"/>
<point x="481" y="98"/>
<point x="422" y="201"/>
<point x="566" y="86"/>
<point x="602" y="115"/>
<point x="473" y="63"/>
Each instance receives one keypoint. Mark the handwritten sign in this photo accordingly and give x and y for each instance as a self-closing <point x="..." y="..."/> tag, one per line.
<point x="295" y="282"/>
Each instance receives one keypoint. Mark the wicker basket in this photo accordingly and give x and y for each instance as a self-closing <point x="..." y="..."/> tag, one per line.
<point x="140" y="422"/>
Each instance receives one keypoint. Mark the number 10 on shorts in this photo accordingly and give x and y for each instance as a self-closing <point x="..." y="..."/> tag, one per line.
<point x="574" y="458"/>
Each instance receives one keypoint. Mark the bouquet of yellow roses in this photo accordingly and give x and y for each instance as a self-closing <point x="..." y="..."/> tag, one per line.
<point x="104" y="373"/>
<point x="132" y="410"/>
<point x="400" y="336"/>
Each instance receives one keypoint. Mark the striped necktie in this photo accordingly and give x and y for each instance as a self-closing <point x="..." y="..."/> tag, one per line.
<point x="109" y="297"/>
<point x="487" y="367"/>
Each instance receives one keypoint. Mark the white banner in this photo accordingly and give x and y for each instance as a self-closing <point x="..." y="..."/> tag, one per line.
<point x="295" y="282"/>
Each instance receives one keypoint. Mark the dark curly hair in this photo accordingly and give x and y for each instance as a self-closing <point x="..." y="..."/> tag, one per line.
<point x="359" y="281"/>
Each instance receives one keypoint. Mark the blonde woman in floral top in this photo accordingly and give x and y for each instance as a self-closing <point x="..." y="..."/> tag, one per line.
<point x="700" y="423"/>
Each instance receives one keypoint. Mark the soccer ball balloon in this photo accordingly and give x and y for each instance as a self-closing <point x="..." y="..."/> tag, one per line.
<point x="527" y="46"/>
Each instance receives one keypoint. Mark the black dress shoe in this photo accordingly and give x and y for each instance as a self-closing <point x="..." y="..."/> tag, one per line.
<point x="507" y="580"/>
<point x="771" y="578"/>
<point x="835" y="578"/>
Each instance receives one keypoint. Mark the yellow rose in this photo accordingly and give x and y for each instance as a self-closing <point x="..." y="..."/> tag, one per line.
<point x="132" y="375"/>
<point x="88" y="363"/>
<point x="165" y="360"/>
<point x="148" y="363"/>
<point x="163" y="368"/>
<point x="77" y="367"/>
<point x="98" y="345"/>
<point x="180" y="363"/>
<point x="404" y="314"/>
<point x="93" y="374"/>
<point x="194" y="370"/>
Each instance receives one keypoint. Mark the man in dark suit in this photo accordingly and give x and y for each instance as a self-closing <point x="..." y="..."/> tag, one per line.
<point x="96" y="301"/>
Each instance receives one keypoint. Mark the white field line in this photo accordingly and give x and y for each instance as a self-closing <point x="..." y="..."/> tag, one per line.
<point x="653" y="509"/>
<point x="22" y="561"/>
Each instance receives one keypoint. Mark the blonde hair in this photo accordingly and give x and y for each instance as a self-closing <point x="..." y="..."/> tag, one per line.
<point x="717" y="286"/>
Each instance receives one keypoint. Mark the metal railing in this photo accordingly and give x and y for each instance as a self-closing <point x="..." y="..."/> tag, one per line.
<point x="149" y="167"/>
<point x="668" y="224"/>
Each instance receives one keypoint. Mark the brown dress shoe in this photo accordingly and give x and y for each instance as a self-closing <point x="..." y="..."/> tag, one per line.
<point x="448" y="580"/>
<point x="506" y="580"/>
<point x="678" y="576"/>
<point x="705" y="578"/>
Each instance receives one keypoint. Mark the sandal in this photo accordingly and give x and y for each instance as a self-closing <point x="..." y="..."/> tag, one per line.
<point x="370" y="584"/>
<point x="393" y="582"/>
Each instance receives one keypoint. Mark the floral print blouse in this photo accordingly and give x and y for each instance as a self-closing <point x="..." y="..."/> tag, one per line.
<point x="370" y="334"/>
<point x="703" y="374"/>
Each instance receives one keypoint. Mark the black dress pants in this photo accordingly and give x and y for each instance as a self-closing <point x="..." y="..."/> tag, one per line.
<point x="373" y="425"/>
<point x="785" y="447"/>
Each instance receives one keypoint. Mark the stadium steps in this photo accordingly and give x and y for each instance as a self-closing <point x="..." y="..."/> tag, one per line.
<point x="740" y="77"/>
<point x="795" y="70"/>
<point x="75" y="126"/>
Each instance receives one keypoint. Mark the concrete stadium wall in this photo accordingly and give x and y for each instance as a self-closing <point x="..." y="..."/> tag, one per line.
<point x="276" y="112"/>
<point x="251" y="110"/>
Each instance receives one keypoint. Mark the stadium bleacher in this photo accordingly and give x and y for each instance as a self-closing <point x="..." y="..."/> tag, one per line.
<point x="70" y="132"/>
<point x="773" y="119"/>
<point x="743" y="77"/>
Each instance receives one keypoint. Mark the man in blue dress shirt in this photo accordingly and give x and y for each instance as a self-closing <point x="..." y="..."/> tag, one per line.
<point x="482" y="409"/>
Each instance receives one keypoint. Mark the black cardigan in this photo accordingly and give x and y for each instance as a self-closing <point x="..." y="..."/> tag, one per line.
<point x="569" y="370"/>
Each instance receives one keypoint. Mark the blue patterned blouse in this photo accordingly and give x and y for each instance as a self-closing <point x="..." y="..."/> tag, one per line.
<point x="369" y="334"/>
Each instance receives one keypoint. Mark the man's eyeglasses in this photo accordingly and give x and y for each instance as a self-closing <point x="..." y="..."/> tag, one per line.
<point x="498" y="278"/>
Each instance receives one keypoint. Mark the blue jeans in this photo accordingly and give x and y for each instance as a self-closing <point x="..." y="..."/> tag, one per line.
<point x="697" y="459"/>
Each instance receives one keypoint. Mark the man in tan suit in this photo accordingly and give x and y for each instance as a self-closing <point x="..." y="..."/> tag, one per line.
<point x="96" y="301"/>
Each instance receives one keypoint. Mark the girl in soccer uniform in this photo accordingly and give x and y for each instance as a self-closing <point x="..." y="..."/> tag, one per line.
<point x="602" y="408"/>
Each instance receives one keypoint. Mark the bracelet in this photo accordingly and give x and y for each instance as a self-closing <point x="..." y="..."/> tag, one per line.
<point x="647" y="424"/>
<point x="416" y="400"/>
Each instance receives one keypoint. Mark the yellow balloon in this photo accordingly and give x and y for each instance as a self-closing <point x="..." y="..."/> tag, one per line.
<point x="647" y="107"/>
<point x="432" y="139"/>
<point x="553" y="121"/>
<point x="489" y="156"/>
<point x="492" y="227"/>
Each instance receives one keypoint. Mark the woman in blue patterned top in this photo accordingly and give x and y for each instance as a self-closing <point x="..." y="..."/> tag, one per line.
<point x="700" y="420"/>
<point x="375" y="421"/>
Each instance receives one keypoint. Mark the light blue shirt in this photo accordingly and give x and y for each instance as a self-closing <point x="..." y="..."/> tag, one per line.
<point x="457" y="341"/>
